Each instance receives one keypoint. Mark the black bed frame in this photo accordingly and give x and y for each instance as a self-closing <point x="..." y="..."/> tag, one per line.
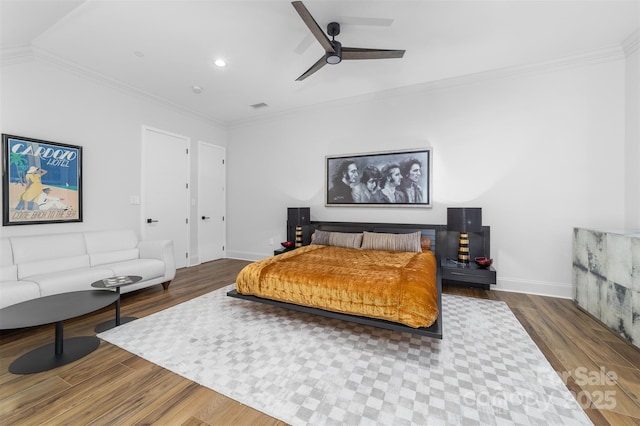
<point x="434" y="232"/>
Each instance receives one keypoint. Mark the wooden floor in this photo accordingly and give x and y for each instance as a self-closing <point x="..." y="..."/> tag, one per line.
<point x="111" y="386"/>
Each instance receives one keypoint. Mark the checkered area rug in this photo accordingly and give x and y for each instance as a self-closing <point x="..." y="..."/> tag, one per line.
<point x="305" y="369"/>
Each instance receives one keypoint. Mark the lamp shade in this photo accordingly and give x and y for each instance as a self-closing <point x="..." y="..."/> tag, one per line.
<point x="464" y="219"/>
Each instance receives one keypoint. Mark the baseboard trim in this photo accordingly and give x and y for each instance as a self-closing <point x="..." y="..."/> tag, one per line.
<point x="540" y="288"/>
<point x="247" y="255"/>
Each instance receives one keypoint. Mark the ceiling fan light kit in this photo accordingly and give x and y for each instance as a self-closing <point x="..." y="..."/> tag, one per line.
<point x="334" y="52"/>
<point x="334" y="57"/>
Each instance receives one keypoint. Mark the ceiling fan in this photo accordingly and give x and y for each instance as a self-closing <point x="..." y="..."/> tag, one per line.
<point x="334" y="52"/>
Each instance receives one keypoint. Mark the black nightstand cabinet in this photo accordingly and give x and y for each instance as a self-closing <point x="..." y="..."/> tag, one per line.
<point x="469" y="274"/>
<point x="282" y="250"/>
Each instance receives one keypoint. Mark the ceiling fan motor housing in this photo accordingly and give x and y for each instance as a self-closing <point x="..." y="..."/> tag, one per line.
<point x="333" y="29"/>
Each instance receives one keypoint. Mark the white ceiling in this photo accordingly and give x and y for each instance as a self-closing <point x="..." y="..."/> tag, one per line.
<point x="267" y="46"/>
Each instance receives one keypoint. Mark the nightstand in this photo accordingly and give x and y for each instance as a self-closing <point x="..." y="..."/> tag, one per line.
<point x="282" y="250"/>
<point x="469" y="274"/>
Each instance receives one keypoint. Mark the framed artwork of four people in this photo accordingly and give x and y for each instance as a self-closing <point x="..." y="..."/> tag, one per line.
<point x="398" y="178"/>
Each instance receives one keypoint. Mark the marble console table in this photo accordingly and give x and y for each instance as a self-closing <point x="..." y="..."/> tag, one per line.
<point x="606" y="279"/>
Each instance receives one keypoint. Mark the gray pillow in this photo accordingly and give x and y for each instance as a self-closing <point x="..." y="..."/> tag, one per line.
<point x="344" y="239"/>
<point x="392" y="242"/>
<point x="338" y="239"/>
<point x="320" y="237"/>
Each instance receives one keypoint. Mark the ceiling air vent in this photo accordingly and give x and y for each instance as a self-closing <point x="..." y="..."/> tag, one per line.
<point x="260" y="105"/>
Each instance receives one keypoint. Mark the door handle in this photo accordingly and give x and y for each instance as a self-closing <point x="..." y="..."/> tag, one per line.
<point x="206" y="217"/>
<point x="151" y="220"/>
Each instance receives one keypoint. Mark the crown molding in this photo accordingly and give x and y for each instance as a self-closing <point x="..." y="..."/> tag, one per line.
<point x="16" y="55"/>
<point x="598" y="56"/>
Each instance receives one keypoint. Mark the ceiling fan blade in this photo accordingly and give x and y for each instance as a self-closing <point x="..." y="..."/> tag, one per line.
<point x="315" y="67"/>
<point x="359" y="53"/>
<point x="313" y="26"/>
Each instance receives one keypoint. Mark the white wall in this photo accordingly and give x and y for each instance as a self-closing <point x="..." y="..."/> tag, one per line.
<point x="42" y="101"/>
<point x="541" y="153"/>
<point x="632" y="167"/>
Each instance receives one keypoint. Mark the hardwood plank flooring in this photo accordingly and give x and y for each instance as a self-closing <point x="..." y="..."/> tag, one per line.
<point x="111" y="386"/>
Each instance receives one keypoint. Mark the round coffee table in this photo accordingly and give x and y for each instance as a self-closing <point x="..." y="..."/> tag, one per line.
<point x="54" y="309"/>
<point x="115" y="283"/>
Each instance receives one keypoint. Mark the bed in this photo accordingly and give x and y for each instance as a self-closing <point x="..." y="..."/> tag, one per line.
<point x="368" y="273"/>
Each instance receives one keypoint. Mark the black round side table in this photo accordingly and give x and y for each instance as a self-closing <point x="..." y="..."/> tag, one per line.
<point x="115" y="283"/>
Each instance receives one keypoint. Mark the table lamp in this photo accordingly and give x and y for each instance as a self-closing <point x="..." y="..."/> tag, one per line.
<point x="464" y="220"/>
<point x="298" y="218"/>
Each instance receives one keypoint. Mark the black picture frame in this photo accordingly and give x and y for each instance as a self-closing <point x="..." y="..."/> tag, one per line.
<point x="41" y="181"/>
<point x="395" y="172"/>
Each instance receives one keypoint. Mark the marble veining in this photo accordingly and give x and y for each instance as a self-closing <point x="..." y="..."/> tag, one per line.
<point x="606" y="279"/>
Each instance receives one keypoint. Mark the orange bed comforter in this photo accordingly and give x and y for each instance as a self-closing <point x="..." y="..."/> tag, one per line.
<point x="394" y="286"/>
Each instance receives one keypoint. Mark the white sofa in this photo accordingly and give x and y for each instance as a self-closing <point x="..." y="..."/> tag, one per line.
<point x="41" y="265"/>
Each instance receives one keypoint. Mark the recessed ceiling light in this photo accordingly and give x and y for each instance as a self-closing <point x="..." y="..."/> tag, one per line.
<point x="196" y="89"/>
<point x="220" y="63"/>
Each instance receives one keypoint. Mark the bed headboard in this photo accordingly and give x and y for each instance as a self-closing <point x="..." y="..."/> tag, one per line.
<point x="433" y="232"/>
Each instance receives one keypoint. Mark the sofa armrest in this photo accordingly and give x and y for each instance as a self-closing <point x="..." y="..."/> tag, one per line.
<point x="161" y="250"/>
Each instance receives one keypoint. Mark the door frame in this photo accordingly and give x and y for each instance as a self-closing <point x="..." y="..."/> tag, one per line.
<point x="224" y="197"/>
<point x="143" y="183"/>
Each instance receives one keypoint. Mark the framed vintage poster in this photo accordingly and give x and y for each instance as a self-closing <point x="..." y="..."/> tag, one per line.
<point x="391" y="179"/>
<point x="41" y="181"/>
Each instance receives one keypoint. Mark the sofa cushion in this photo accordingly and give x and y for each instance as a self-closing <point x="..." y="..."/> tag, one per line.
<point x="8" y="273"/>
<point x="111" y="246"/>
<point x="6" y="253"/>
<point x="107" y="257"/>
<point x="36" y="248"/>
<point x="70" y="280"/>
<point x="43" y="267"/>
<point x="146" y="268"/>
<point x="106" y="241"/>
<point x="17" y="291"/>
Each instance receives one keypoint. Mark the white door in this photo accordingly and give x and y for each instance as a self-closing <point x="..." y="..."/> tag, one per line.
<point x="165" y="183"/>
<point x="211" y="202"/>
